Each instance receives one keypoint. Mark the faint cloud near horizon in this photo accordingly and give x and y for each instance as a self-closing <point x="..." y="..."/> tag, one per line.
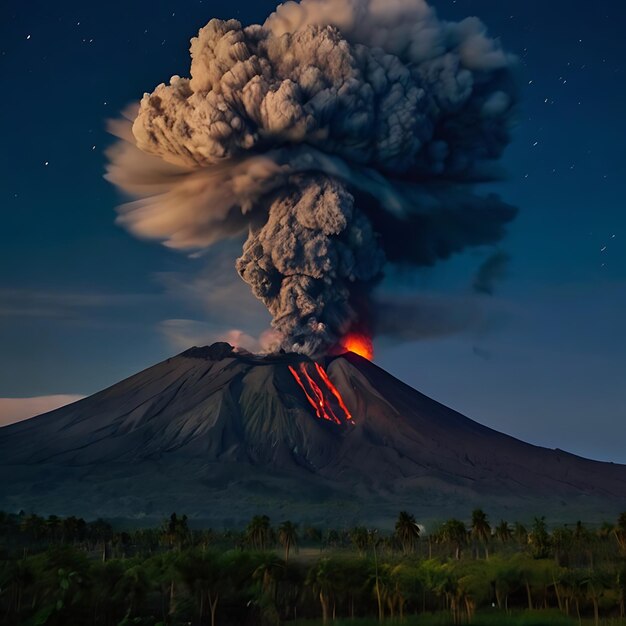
<point x="17" y="409"/>
<point x="217" y="305"/>
<point x="63" y="304"/>
<point x="182" y="334"/>
<point x="216" y="292"/>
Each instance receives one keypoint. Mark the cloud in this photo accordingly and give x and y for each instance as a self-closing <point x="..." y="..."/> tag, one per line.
<point x="17" y="409"/>
<point x="217" y="292"/>
<point x="63" y="304"/>
<point x="432" y="315"/>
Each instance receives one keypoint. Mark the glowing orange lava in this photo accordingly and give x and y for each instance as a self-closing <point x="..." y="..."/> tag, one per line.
<point x="333" y="390"/>
<point x="359" y="344"/>
<point x="321" y="393"/>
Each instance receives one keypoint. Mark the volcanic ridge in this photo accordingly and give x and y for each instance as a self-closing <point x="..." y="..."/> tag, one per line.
<point x="222" y="434"/>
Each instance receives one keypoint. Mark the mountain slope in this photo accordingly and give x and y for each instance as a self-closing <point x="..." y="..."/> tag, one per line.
<point x="222" y="435"/>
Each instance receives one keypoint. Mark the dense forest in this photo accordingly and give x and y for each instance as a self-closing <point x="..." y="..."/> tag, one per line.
<point x="69" y="572"/>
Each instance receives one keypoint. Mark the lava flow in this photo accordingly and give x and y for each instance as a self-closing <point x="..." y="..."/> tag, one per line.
<point x="321" y="393"/>
<point x="359" y="344"/>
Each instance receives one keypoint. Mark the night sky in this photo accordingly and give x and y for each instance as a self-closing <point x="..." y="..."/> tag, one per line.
<point x="83" y="304"/>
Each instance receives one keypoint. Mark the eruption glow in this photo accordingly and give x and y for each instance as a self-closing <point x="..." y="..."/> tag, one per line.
<point x="338" y="136"/>
<point x="359" y="344"/>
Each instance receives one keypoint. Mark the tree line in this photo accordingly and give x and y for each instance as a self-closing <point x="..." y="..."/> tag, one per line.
<point x="61" y="571"/>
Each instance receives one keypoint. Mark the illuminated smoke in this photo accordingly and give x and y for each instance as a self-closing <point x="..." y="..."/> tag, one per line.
<point x="340" y="135"/>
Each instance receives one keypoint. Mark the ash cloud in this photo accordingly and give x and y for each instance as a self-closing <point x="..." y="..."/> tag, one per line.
<point x="429" y="316"/>
<point x="341" y="135"/>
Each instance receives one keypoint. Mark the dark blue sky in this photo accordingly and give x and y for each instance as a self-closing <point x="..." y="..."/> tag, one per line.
<point x="83" y="304"/>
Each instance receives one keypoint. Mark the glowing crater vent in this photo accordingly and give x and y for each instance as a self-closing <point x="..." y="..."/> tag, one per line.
<point x="359" y="344"/>
<point x="320" y="392"/>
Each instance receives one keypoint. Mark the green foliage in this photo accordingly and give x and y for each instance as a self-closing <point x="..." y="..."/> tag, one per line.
<point x="539" y="538"/>
<point x="61" y="571"/>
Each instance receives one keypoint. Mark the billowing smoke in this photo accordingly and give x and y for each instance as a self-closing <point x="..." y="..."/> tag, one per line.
<point x="341" y="135"/>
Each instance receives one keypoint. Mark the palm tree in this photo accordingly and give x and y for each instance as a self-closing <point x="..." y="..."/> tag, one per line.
<point x="332" y="539"/>
<point x="585" y="540"/>
<point x="314" y="535"/>
<point x="101" y="532"/>
<point x="205" y="575"/>
<point x="454" y="532"/>
<point x="407" y="531"/>
<point x="580" y="533"/>
<point x="350" y="579"/>
<point x="135" y="586"/>
<point x="359" y="538"/>
<point x="405" y="582"/>
<point x="480" y="529"/>
<point x="435" y="537"/>
<point x="258" y="531"/>
<point x="288" y="537"/>
<point x="595" y="584"/>
<point x="107" y="597"/>
<point x="175" y="532"/>
<point x="383" y="587"/>
<point x="520" y="533"/>
<point x="320" y="580"/>
<point x="503" y="531"/>
<point x="448" y="587"/>
<point x="19" y="576"/>
<point x="73" y="529"/>
<point x="619" y="532"/>
<point x="374" y="540"/>
<point x="605" y="530"/>
<point x="620" y="581"/>
<point x="561" y="542"/>
<point x="52" y="524"/>
<point x="34" y="526"/>
<point x="573" y="584"/>
<point x="270" y="570"/>
<point x="506" y="577"/>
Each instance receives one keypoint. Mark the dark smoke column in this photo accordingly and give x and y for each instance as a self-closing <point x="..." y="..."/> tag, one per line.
<point x="305" y="262"/>
<point x="340" y="135"/>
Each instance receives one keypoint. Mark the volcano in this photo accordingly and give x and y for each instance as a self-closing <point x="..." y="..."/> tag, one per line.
<point x="222" y="434"/>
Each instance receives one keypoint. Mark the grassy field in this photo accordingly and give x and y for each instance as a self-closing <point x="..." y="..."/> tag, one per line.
<point x="491" y="618"/>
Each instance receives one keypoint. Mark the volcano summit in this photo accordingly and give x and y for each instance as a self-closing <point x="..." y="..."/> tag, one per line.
<point x="222" y="434"/>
